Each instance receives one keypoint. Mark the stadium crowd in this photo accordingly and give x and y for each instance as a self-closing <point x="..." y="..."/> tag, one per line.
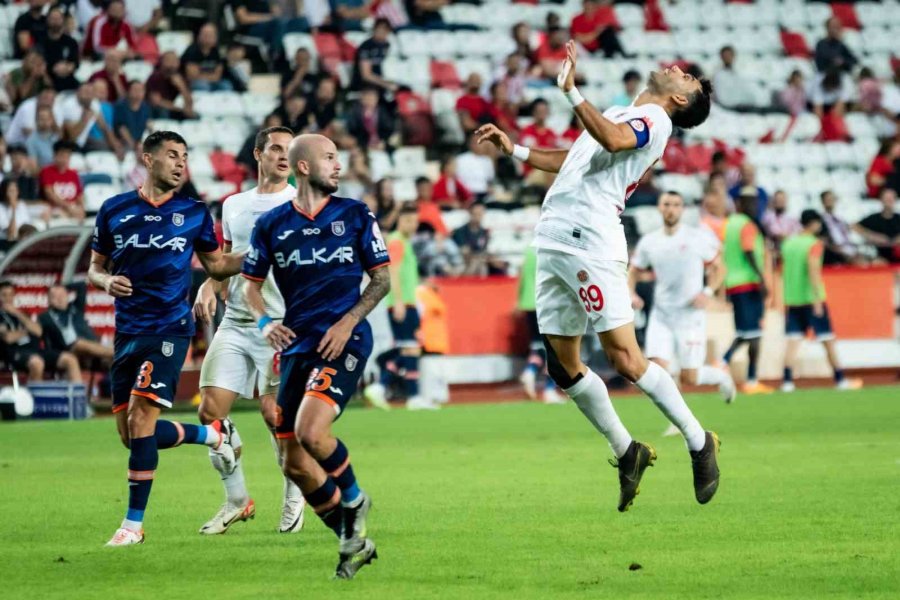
<point x="83" y="81"/>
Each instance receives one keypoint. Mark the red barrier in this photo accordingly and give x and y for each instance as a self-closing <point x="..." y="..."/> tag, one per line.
<point x="482" y="316"/>
<point x="861" y="301"/>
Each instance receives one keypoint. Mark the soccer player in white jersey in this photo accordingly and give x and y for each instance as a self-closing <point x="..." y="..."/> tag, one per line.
<point x="239" y="357"/>
<point x="679" y="255"/>
<point x="583" y="261"/>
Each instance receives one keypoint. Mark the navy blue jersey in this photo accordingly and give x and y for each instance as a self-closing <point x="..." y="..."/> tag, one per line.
<point x="153" y="246"/>
<point x="318" y="262"/>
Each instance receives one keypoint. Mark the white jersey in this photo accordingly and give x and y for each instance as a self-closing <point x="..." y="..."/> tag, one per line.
<point x="678" y="261"/>
<point x="239" y="215"/>
<point x="581" y="212"/>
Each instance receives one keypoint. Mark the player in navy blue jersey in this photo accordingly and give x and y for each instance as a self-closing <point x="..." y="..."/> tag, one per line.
<point x="142" y="249"/>
<point x="318" y="247"/>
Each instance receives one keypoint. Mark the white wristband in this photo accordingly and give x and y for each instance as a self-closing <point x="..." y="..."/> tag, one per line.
<point x="708" y="291"/>
<point x="521" y="152"/>
<point x="574" y="97"/>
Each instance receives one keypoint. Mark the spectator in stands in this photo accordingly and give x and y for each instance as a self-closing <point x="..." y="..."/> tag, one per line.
<point x="572" y="132"/>
<point x="793" y="97"/>
<point x="473" y="109"/>
<point x="22" y="170"/>
<point x="108" y="31"/>
<point x="356" y="176"/>
<point x="830" y="91"/>
<point x="295" y="114"/>
<point x="145" y="16"/>
<point x="430" y="218"/>
<point x="890" y="102"/>
<point x="40" y="142"/>
<point x="80" y="114"/>
<point x="369" y="57"/>
<point x="60" y="184"/>
<point x="13" y="211"/>
<point x="131" y="114"/>
<point x="30" y="28"/>
<point x="550" y="54"/>
<point x="472" y="240"/>
<point x="98" y="139"/>
<point x="719" y="164"/>
<point x="438" y="256"/>
<point x="733" y="90"/>
<point x="521" y="35"/>
<point x="868" y="90"/>
<point x="596" y="28"/>
<point x="503" y="112"/>
<point x="300" y="81"/>
<point x="86" y="10"/>
<point x="449" y="191"/>
<point x="631" y="83"/>
<point x="164" y="86"/>
<point x="425" y="14"/>
<point x="513" y="74"/>
<point x="61" y="52"/>
<point x="883" y="167"/>
<point x="20" y="342"/>
<point x="202" y="65"/>
<point x="369" y="122"/>
<point x="714" y="214"/>
<point x="348" y="15"/>
<point x="258" y="18"/>
<point x="113" y="75"/>
<point x="325" y="106"/>
<point x="831" y="52"/>
<point x="538" y="135"/>
<point x="64" y="328"/>
<point x="882" y="229"/>
<point x="748" y="179"/>
<point x="717" y="185"/>
<point x="475" y="168"/>
<point x="25" y="118"/>
<point x="387" y="209"/>
<point x="136" y="177"/>
<point x="777" y="223"/>
<point x="839" y="249"/>
<point x="237" y="67"/>
<point x="29" y="79"/>
<point x="390" y="10"/>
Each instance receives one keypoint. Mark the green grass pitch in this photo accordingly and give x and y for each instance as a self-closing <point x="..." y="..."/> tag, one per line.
<point x="482" y="502"/>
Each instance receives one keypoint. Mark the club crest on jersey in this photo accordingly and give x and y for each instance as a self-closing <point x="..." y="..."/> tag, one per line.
<point x="178" y="219"/>
<point x="337" y="228"/>
<point x="168" y="348"/>
<point x="350" y="362"/>
<point x="582" y="276"/>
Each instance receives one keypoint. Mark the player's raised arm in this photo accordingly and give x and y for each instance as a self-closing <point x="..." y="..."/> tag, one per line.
<point x="550" y="160"/>
<point x="614" y="137"/>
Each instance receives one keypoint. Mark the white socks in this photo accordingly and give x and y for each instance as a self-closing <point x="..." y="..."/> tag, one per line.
<point x="235" y="488"/>
<point x="291" y="489"/>
<point x="707" y="375"/>
<point x="657" y="384"/>
<point x="592" y="398"/>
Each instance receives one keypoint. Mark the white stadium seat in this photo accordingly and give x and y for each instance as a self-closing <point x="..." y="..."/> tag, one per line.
<point x="294" y="41"/>
<point x="409" y="161"/>
<point x="103" y="162"/>
<point x="96" y="194"/>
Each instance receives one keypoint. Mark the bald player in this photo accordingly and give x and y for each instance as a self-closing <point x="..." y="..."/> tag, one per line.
<point x="318" y="246"/>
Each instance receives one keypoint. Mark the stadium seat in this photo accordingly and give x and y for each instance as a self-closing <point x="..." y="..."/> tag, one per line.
<point x="380" y="164"/>
<point x="646" y="218"/>
<point x="404" y="189"/>
<point x="96" y="194"/>
<point x="174" y="41"/>
<point x="294" y="41"/>
<point x="218" y="104"/>
<point x="137" y="69"/>
<point x="409" y="161"/>
<point x="794" y="44"/>
<point x="482" y="66"/>
<point x="257" y="106"/>
<point x="103" y="162"/>
<point x="630" y="16"/>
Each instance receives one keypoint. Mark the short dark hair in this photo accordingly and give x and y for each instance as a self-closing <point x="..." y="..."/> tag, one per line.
<point x="156" y="139"/>
<point x="674" y="193"/>
<point x="823" y="194"/>
<point x="382" y="21"/>
<point x="7" y="283"/>
<point x="718" y="155"/>
<point x="408" y="208"/>
<point x="63" y="145"/>
<point x="697" y="109"/>
<point x="631" y="75"/>
<point x="537" y="102"/>
<point x="726" y="48"/>
<point x="17" y="149"/>
<point x="263" y="136"/>
<point x="422" y="179"/>
<point x="809" y="216"/>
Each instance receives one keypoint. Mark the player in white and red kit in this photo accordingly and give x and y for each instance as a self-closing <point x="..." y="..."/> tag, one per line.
<point x="583" y="261"/>
<point x="679" y="256"/>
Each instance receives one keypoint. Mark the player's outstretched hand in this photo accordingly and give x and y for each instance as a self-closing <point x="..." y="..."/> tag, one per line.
<point x="566" y="78"/>
<point x="278" y="336"/>
<point x="334" y="340"/>
<point x="205" y="304"/>
<point x="493" y="134"/>
<point x="118" y="286"/>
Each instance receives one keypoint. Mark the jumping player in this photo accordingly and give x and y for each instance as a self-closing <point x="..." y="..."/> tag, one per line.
<point x="142" y="248"/>
<point x="804" y="300"/>
<point x="239" y="356"/>
<point x="679" y="256"/>
<point x="318" y="247"/>
<point x="582" y="261"/>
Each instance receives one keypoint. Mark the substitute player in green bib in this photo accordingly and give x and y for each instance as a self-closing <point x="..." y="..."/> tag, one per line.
<point x="745" y="284"/>
<point x="804" y="300"/>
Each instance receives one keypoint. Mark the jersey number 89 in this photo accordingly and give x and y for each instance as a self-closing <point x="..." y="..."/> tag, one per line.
<point x="592" y="298"/>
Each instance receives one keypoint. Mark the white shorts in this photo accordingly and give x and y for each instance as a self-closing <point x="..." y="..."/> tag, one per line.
<point x="573" y="291"/>
<point x="238" y="355"/>
<point x="680" y="334"/>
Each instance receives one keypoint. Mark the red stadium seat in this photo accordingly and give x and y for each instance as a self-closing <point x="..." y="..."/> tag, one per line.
<point x="794" y="44"/>
<point x="444" y="75"/>
<point x="846" y="14"/>
<point x="654" y="19"/>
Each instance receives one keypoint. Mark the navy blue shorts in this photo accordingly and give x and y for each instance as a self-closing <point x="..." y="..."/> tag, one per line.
<point x="405" y="331"/>
<point x="800" y="319"/>
<point x="309" y="375"/>
<point x="748" y="314"/>
<point x="148" y="366"/>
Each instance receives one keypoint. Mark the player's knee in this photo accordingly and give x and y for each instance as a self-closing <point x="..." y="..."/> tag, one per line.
<point x="629" y="363"/>
<point x="312" y="439"/>
<point x="139" y="414"/>
<point x="688" y="377"/>
<point x="35" y="366"/>
<point x="205" y="413"/>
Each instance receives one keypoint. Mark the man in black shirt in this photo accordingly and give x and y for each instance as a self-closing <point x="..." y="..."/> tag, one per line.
<point x="831" y="51"/>
<point x="425" y="13"/>
<point x="61" y="52"/>
<point x="64" y="328"/>
<point x="22" y="171"/>
<point x="883" y="228"/>
<point x="301" y="80"/>
<point x="20" y="346"/>
<point x="30" y="29"/>
<point x="472" y="239"/>
<point x="259" y="19"/>
<point x="202" y="63"/>
<point x="369" y="57"/>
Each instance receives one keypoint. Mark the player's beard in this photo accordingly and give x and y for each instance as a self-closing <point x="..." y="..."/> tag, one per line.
<point x="322" y="185"/>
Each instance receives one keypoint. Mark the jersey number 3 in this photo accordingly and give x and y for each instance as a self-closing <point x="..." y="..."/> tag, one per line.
<point x="592" y="298"/>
